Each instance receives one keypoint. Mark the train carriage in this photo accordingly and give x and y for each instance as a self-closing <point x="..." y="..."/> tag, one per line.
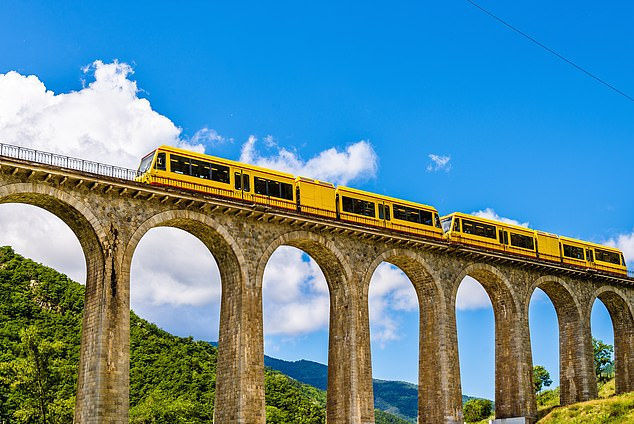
<point x="489" y="234"/>
<point x="592" y="256"/>
<point x="170" y="166"/>
<point x="382" y="211"/>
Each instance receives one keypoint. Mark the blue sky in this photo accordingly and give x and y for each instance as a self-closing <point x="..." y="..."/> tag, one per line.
<point x="526" y="135"/>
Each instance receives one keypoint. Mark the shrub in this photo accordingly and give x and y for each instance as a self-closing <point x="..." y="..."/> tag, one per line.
<point x="477" y="410"/>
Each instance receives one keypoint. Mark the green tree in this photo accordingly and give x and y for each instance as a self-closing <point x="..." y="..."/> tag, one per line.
<point x="603" y="363"/>
<point x="34" y="377"/>
<point x="477" y="410"/>
<point x="541" y="378"/>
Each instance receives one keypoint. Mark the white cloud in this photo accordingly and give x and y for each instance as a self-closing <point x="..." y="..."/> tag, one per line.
<point x="625" y="242"/>
<point x="208" y="136"/>
<point x="471" y="295"/>
<point x="391" y="293"/>
<point x="172" y="267"/>
<point x="491" y="214"/>
<point x="340" y="167"/>
<point x="439" y="163"/>
<point x="105" y="121"/>
<point x="295" y="294"/>
<point x="43" y="237"/>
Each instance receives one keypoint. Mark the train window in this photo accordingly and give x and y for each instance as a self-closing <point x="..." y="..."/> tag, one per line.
<point x="456" y="224"/>
<point x="146" y="162"/>
<point x="200" y="169"/>
<point x="160" y="162"/>
<point x="437" y="220"/>
<point x="358" y="206"/>
<point x="419" y="216"/>
<point x="573" y="252"/>
<point x="273" y="188"/>
<point x="287" y="191"/>
<point x="220" y="173"/>
<point x="237" y="178"/>
<point x="589" y="255"/>
<point x="387" y="212"/>
<point x="259" y="185"/>
<point x="525" y="242"/>
<point x="622" y="260"/>
<point x="446" y="224"/>
<point x="381" y="215"/>
<point x="246" y="186"/>
<point x="478" y="229"/>
<point x="607" y="256"/>
<point x="180" y="165"/>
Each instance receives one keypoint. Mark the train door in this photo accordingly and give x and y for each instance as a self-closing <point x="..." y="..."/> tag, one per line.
<point x="384" y="213"/>
<point x="242" y="184"/>
<point x="590" y="258"/>
<point x="503" y="236"/>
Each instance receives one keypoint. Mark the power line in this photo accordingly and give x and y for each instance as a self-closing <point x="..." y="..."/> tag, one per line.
<point x="548" y="49"/>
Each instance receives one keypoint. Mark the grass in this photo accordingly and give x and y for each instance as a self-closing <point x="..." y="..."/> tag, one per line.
<point x="606" y="389"/>
<point x="608" y="409"/>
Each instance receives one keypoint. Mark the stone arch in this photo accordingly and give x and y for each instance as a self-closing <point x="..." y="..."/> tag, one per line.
<point x="559" y="292"/>
<point x="514" y="395"/>
<point x="438" y="390"/>
<point x="494" y="282"/>
<point x="423" y="278"/>
<point x="347" y="385"/>
<point x="100" y="298"/>
<point x="240" y="364"/>
<point x="213" y="235"/>
<point x="574" y="369"/>
<point x="620" y="310"/>
<point x="327" y="255"/>
<point x="72" y="211"/>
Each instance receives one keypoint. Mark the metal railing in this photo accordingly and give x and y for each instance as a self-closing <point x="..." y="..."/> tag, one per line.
<point x="53" y="159"/>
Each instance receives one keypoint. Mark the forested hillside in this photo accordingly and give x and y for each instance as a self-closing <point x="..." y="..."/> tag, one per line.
<point x="172" y="379"/>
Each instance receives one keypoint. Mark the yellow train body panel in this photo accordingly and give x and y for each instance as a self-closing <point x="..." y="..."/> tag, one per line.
<point x="316" y="197"/>
<point x="548" y="246"/>
<point x="376" y="210"/>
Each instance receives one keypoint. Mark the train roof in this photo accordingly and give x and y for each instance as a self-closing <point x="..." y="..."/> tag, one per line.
<point x="490" y="221"/>
<point x="223" y="160"/>
<point x="315" y="181"/>
<point x="589" y="243"/>
<point x="383" y="197"/>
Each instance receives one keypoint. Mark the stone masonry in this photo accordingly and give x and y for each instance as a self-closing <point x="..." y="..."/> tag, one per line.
<point x="110" y="216"/>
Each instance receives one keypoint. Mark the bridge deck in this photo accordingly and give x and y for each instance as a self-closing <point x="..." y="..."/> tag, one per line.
<point x="68" y="170"/>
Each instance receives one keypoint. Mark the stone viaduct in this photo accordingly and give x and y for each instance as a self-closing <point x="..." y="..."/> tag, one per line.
<point x="110" y="215"/>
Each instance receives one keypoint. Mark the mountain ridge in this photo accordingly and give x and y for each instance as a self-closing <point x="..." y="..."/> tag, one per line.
<point x="399" y="398"/>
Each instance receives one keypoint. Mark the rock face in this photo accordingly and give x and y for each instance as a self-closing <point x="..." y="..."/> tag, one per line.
<point x="110" y="216"/>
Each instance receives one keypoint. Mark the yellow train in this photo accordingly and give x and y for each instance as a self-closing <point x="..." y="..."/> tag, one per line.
<point x="494" y="235"/>
<point x="172" y="167"/>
